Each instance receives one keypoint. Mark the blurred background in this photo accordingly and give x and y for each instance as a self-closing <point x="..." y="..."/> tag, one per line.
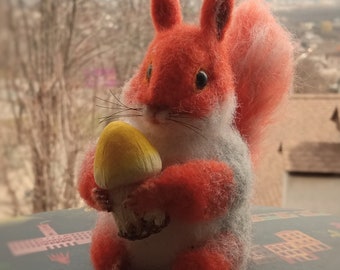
<point x="62" y="60"/>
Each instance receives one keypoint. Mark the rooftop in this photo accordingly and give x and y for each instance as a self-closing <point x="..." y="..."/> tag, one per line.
<point x="309" y="118"/>
<point x="314" y="157"/>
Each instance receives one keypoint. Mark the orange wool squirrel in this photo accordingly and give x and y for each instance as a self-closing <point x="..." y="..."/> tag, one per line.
<point x="202" y="97"/>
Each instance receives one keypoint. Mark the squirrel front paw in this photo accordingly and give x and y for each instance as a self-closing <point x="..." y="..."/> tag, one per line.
<point x="103" y="199"/>
<point x="150" y="217"/>
<point x="144" y="199"/>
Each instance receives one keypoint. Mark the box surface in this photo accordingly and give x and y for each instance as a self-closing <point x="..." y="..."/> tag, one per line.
<point x="283" y="239"/>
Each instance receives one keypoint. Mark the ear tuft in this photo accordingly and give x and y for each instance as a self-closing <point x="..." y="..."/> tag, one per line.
<point x="215" y="16"/>
<point x="165" y="14"/>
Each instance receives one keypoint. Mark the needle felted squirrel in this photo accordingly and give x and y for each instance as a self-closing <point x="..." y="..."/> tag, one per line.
<point x="202" y="97"/>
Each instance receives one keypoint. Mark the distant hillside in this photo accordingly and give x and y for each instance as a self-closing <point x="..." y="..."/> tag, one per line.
<point x="311" y="13"/>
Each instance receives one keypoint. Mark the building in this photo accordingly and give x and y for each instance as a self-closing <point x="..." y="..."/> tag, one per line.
<point x="312" y="179"/>
<point x="310" y="118"/>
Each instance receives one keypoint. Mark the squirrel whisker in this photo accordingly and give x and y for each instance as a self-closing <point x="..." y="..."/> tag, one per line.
<point x="110" y="102"/>
<point x="116" y="116"/>
<point x="184" y="115"/>
<point x="189" y="126"/>
<point x="117" y="105"/>
<point x="105" y="107"/>
<point x="121" y="103"/>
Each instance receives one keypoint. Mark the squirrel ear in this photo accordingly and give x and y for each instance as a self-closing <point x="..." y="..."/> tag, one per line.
<point x="215" y="16"/>
<point x="165" y="13"/>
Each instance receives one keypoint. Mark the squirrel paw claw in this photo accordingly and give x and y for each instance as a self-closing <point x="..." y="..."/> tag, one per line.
<point x="103" y="199"/>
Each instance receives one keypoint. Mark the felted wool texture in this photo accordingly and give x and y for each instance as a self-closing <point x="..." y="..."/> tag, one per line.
<point x="207" y="138"/>
<point x="203" y="190"/>
<point x="166" y="14"/>
<point x="86" y="182"/>
<point x="262" y="65"/>
<point x="107" y="250"/>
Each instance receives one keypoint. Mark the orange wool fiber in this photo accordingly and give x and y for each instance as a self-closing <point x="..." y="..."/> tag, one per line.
<point x="263" y="67"/>
<point x="213" y="255"/>
<point x="86" y="181"/>
<point x="203" y="190"/>
<point x="215" y="17"/>
<point x="202" y="97"/>
<point x="166" y="14"/>
<point x="202" y="260"/>
<point x="172" y="84"/>
<point x="107" y="249"/>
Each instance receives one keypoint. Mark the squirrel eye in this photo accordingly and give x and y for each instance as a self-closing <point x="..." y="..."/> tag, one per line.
<point x="149" y="72"/>
<point x="201" y="80"/>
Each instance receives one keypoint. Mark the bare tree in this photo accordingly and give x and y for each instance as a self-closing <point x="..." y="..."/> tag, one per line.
<point x="52" y="43"/>
<point x="51" y="49"/>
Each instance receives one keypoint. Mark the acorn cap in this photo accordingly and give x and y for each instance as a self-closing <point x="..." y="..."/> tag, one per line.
<point x="124" y="156"/>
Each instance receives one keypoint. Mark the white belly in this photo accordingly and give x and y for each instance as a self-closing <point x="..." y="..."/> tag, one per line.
<point x="177" y="144"/>
<point x="159" y="251"/>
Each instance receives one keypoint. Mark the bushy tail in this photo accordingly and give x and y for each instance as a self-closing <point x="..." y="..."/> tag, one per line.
<point x="262" y="60"/>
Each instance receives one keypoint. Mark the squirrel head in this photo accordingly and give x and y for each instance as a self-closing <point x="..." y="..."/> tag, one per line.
<point x="186" y="67"/>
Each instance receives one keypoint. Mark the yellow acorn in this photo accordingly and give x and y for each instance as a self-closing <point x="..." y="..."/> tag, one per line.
<point x="124" y="156"/>
<point x="123" y="159"/>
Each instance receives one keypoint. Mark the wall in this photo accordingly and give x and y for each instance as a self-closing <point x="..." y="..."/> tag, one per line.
<point x="320" y="193"/>
<point x="305" y="118"/>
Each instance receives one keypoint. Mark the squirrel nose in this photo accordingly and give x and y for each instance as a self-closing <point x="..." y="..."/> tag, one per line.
<point x="156" y="113"/>
<point x="153" y="109"/>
